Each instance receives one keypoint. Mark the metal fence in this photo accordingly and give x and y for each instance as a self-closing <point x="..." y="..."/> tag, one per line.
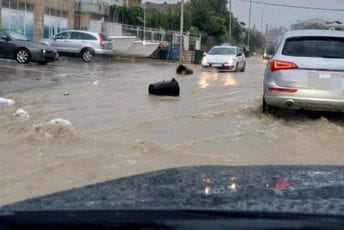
<point x="169" y="40"/>
<point x="191" y="42"/>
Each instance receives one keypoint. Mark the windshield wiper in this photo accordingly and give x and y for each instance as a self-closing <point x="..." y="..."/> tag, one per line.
<point x="332" y="56"/>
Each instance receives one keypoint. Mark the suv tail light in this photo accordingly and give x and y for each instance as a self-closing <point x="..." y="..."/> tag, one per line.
<point x="283" y="90"/>
<point x="101" y="40"/>
<point x="276" y="65"/>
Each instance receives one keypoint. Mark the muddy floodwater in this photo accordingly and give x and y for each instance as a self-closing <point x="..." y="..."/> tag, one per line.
<point x="118" y="130"/>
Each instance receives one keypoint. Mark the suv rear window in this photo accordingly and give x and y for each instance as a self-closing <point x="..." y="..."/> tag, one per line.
<point x="323" y="47"/>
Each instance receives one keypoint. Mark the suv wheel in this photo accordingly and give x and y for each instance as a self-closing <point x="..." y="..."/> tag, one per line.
<point x="87" y="55"/>
<point x="268" y="109"/>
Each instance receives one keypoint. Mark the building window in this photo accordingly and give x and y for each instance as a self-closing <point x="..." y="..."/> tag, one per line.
<point x="17" y="16"/>
<point x="55" y="21"/>
<point x="6" y="3"/>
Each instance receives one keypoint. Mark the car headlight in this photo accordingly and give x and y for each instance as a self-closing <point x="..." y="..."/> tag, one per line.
<point x="44" y="51"/>
<point x="232" y="60"/>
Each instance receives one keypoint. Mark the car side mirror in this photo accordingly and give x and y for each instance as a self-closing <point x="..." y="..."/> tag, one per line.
<point x="239" y="55"/>
<point x="205" y="53"/>
<point x="4" y="37"/>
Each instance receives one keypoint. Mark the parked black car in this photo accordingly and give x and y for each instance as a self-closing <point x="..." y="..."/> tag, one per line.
<point x="16" y="46"/>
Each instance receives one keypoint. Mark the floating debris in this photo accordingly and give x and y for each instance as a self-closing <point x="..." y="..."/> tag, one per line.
<point x="5" y="101"/>
<point x="60" y="121"/>
<point x="165" y="88"/>
<point x="22" y="114"/>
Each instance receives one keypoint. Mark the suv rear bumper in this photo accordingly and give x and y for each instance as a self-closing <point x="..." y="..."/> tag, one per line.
<point x="296" y="103"/>
<point x="104" y="52"/>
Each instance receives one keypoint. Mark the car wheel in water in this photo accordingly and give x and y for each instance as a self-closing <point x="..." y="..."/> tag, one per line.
<point x="243" y="68"/>
<point x="23" y="56"/>
<point x="87" y="55"/>
<point x="268" y="109"/>
<point x="315" y="115"/>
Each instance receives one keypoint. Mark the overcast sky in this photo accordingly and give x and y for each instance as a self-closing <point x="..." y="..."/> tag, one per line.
<point x="277" y="16"/>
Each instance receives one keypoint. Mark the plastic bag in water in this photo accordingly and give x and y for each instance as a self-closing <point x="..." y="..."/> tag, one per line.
<point x="60" y="121"/>
<point x="5" y="101"/>
<point x="22" y="114"/>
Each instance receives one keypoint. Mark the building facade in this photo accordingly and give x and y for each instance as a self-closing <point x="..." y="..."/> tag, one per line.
<point x="37" y="18"/>
<point x="318" y="23"/>
<point x="132" y="2"/>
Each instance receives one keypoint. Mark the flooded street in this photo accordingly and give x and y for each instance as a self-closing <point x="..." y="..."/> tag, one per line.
<point x="119" y="130"/>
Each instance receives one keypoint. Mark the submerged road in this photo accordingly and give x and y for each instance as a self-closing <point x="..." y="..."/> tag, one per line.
<point x="119" y="130"/>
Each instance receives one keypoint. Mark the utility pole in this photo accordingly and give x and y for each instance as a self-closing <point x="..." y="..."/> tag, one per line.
<point x="144" y="22"/>
<point x="230" y="21"/>
<point x="181" y="31"/>
<point x="261" y="20"/>
<point x="249" y="26"/>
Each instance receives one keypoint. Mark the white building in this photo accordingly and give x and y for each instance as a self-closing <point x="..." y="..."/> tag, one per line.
<point x="318" y="23"/>
<point x="116" y="2"/>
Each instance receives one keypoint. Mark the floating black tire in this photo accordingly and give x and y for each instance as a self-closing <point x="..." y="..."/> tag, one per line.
<point x="182" y="69"/>
<point x="165" y="88"/>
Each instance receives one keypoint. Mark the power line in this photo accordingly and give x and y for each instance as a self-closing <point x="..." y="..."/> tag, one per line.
<point x="293" y="6"/>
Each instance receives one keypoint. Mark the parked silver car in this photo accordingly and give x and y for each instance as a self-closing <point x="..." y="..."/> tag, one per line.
<point x="225" y="57"/>
<point x="80" y="43"/>
<point x="306" y="72"/>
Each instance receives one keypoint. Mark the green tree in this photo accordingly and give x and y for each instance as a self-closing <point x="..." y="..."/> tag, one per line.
<point x="194" y="31"/>
<point x="257" y="40"/>
<point x="128" y="15"/>
<point x="212" y="18"/>
<point x="155" y="19"/>
<point x="209" y="17"/>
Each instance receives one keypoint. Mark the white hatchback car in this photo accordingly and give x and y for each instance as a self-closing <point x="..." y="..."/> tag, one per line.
<point x="225" y="57"/>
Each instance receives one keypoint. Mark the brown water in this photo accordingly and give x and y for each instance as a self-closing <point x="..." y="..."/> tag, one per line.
<point x="119" y="130"/>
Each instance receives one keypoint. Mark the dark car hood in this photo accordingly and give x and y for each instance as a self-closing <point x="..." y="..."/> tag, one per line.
<point x="300" y="189"/>
<point x="31" y="44"/>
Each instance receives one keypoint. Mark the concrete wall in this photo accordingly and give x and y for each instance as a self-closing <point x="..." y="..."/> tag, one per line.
<point x="81" y="20"/>
<point x="38" y="16"/>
